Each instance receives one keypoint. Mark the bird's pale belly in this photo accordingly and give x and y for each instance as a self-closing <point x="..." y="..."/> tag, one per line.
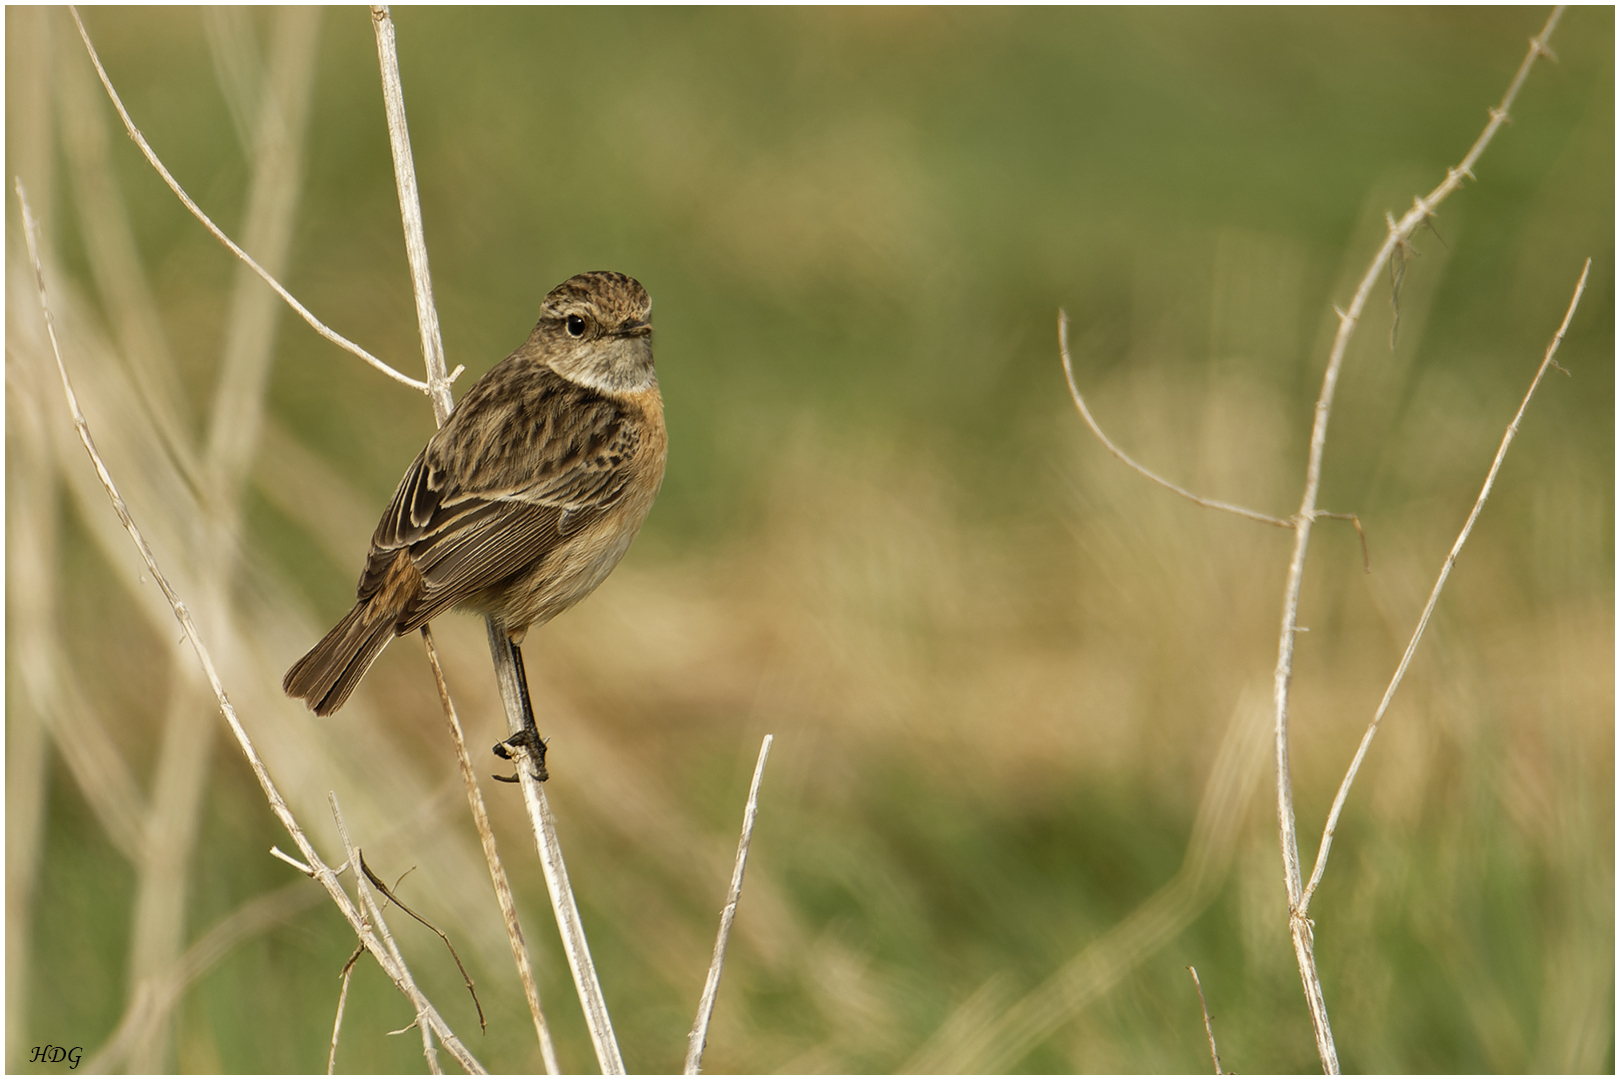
<point x="568" y="574"/>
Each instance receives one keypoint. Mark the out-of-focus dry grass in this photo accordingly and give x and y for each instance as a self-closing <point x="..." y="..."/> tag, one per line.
<point x="1000" y="667"/>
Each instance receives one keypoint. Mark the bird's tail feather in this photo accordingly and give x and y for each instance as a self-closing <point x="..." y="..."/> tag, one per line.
<point x="329" y="672"/>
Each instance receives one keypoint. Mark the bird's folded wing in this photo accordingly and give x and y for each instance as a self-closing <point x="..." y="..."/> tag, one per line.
<point x="464" y="543"/>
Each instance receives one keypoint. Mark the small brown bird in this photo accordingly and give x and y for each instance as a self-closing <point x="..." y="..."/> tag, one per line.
<point x="527" y="497"/>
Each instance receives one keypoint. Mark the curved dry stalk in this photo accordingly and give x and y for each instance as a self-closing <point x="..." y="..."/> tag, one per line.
<point x="506" y="674"/>
<point x="1434" y="596"/>
<point x="699" y="1037"/>
<point x="318" y="869"/>
<point x="196" y="211"/>
<point x="1085" y="414"/>
<point x="1422" y="209"/>
<point x="497" y="871"/>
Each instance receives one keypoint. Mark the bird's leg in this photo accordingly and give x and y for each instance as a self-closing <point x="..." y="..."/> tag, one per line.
<point x="529" y="738"/>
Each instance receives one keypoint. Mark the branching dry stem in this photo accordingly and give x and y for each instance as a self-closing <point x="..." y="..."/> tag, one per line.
<point x="410" y="206"/>
<point x="1399" y="231"/>
<point x="1393" y="254"/>
<point x="389" y="894"/>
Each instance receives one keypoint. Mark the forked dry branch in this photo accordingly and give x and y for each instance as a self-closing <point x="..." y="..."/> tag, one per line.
<point x="1393" y="248"/>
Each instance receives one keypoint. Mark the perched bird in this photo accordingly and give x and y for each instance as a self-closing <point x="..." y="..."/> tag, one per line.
<point x="525" y="499"/>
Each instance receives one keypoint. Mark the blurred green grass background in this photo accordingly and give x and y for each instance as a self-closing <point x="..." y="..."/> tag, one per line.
<point x="999" y="666"/>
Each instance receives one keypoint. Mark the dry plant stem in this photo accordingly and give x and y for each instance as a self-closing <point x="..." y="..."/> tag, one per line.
<point x="728" y="914"/>
<point x="410" y="205"/>
<point x="278" y="805"/>
<point x="1398" y="234"/>
<point x="1434" y="595"/>
<point x="337" y="1022"/>
<point x="497" y="871"/>
<point x="1085" y="414"/>
<point x="534" y="798"/>
<point x="356" y="860"/>
<point x="1209" y="1029"/>
<point x="174" y="185"/>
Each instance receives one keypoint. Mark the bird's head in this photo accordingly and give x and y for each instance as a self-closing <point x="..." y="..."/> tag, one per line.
<point x="594" y="330"/>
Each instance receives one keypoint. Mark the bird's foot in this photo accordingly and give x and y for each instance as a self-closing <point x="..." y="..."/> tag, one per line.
<point x="528" y="739"/>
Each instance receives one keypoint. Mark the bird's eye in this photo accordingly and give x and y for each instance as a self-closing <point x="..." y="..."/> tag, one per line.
<point x="576" y="325"/>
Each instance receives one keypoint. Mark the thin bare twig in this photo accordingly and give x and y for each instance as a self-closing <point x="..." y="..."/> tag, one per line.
<point x="1085" y="414"/>
<point x="1434" y="595"/>
<point x="497" y="870"/>
<point x="1209" y="1029"/>
<point x="699" y="1037"/>
<point x="1423" y="208"/>
<point x="343" y="999"/>
<point x="410" y="206"/>
<point x="174" y="185"/>
<point x="322" y="873"/>
<point x="545" y="830"/>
